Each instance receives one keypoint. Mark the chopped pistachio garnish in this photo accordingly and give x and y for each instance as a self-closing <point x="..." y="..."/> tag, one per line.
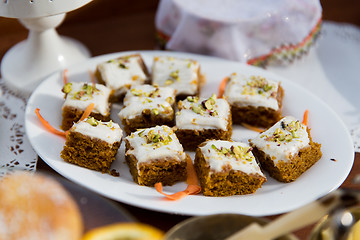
<point x="155" y="111"/>
<point x="192" y="99"/>
<point x="257" y="85"/>
<point x="67" y="88"/>
<point x="86" y="90"/>
<point x="286" y="133"/>
<point x="122" y="65"/>
<point x="109" y="124"/>
<point x="197" y="109"/>
<point x="267" y="87"/>
<point x="154" y="93"/>
<point x="209" y="103"/>
<point x="238" y="152"/>
<point x="156" y="139"/>
<point x="92" y="121"/>
<point x="151" y="94"/>
<point x="146" y="111"/>
<point x="136" y="92"/>
<point x="170" y="100"/>
<point x="140" y="133"/>
<point x="206" y="106"/>
<point x="174" y="76"/>
<point x="168" y="82"/>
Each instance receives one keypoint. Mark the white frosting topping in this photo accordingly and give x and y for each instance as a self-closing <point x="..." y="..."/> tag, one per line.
<point x="189" y="118"/>
<point x="78" y="98"/>
<point x="158" y="100"/>
<point x="109" y="132"/>
<point x="150" y="91"/>
<point x="283" y="140"/>
<point x="119" y="74"/>
<point x="146" y="150"/>
<point x="180" y="74"/>
<point x="253" y="91"/>
<point x="218" y="160"/>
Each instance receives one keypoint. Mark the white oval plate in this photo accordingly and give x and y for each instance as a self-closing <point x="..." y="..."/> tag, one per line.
<point x="273" y="198"/>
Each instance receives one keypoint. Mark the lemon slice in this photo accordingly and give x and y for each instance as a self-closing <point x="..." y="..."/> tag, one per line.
<point x="355" y="232"/>
<point x="124" y="231"/>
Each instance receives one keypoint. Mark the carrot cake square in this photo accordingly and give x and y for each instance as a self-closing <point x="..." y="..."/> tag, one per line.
<point x="147" y="106"/>
<point x="121" y="73"/>
<point x="227" y="168"/>
<point x="199" y="119"/>
<point x="180" y="74"/>
<point x="92" y="144"/>
<point x="78" y="96"/>
<point x="155" y="155"/>
<point x="254" y="100"/>
<point x="286" y="149"/>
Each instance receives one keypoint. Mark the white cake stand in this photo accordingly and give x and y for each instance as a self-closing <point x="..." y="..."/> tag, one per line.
<point x="27" y="63"/>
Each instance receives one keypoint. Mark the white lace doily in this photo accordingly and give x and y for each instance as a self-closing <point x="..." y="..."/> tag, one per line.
<point x="16" y="152"/>
<point x="355" y="133"/>
<point x="332" y="72"/>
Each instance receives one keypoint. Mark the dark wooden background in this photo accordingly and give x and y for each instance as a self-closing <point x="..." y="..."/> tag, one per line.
<point x="106" y="26"/>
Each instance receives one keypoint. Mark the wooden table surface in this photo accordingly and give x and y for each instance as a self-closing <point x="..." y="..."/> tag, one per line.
<point x="111" y="26"/>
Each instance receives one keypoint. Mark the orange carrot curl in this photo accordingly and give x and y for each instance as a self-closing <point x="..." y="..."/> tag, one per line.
<point x="305" y="117"/>
<point x="54" y="130"/>
<point x="192" y="181"/>
<point x="92" y="76"/>
<point x="65" y="77"/>
<point x="47" y="124"/>
<point x="87" y="111"/>
<point x="222" y="86"/>
<point x="256" y="129"/>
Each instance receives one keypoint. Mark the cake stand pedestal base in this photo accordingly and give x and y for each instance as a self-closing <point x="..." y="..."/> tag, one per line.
<point x="44" y="52"/>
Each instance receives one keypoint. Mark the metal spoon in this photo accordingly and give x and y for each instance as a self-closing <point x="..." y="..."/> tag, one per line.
<point x="336" y="226"/>
<point x="310" y="213"/>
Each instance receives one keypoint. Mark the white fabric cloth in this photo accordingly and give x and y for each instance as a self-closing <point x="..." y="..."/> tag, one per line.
<point x="236" y="29"/>
<point x="331" y="71"/>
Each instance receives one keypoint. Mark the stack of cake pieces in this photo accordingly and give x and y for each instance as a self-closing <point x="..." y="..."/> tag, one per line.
<point x="154" y="149"/>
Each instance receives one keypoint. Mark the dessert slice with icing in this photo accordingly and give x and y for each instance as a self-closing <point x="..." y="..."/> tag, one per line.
<point x="286" y="149"/>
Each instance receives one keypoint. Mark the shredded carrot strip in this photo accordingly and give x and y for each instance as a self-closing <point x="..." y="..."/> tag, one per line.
<point x="87" y="111"/>
<point x="192" y="181"/>
<point x="92" y="78"/>
<point x="47" y="124"/>
<point x="54" y="130"/>
<point x="305" y="117"/>
<point x="65" y="78"/>
<point x="192" y="178"/>
<point x="256" y="129"/>
<point x="222" y="86"/>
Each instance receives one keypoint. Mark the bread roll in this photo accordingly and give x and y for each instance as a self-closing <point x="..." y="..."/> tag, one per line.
<point x="34" y="206"/>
